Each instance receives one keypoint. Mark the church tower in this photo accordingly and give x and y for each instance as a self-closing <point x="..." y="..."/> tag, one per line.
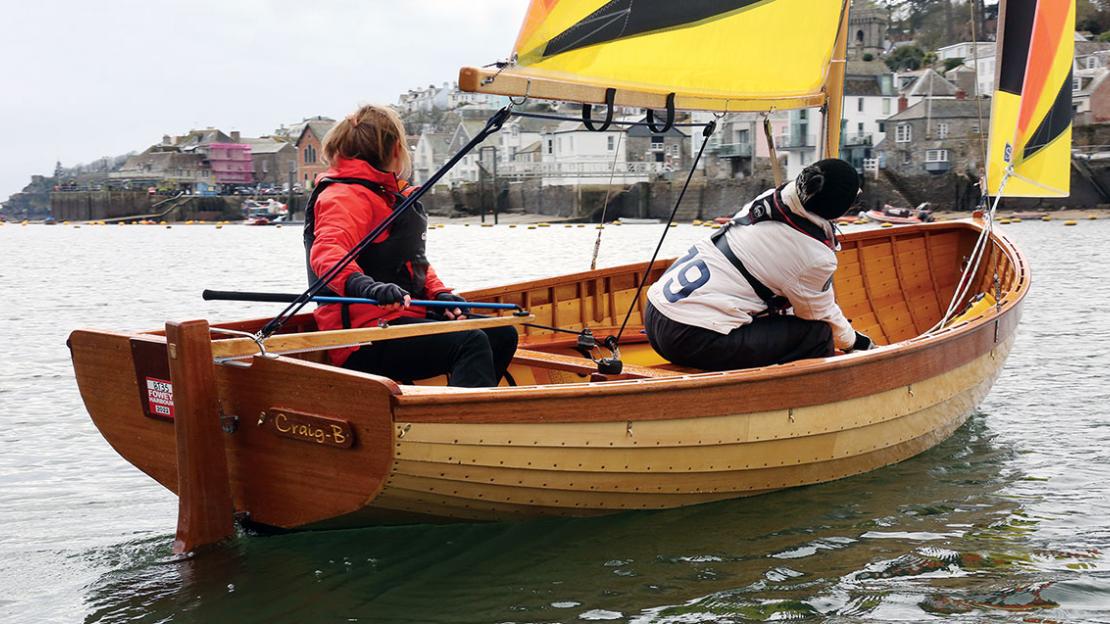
<point x="867" y="29"/>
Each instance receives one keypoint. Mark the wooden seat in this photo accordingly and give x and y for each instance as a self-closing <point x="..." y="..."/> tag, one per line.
<point x="583" y="366"/>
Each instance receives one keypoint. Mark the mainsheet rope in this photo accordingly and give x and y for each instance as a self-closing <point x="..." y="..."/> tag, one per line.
<point x="605" y="203"/>
<point x="706" y="133"/>
<point x="492" y="125"/>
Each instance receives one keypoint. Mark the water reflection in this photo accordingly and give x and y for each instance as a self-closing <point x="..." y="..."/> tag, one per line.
<point x="936" y="523"/>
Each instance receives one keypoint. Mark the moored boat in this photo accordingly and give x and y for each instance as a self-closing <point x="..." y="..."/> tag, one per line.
<point x="900" y="216"/>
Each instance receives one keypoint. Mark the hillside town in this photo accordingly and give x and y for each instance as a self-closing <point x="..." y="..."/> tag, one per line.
<point x="914" y="124"/>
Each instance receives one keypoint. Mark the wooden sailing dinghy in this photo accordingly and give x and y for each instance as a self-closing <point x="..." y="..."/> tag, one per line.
<point x="292" y="442"/>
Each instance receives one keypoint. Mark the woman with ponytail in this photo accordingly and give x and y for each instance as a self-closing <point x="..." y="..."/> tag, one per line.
<point x="369" y="162"/>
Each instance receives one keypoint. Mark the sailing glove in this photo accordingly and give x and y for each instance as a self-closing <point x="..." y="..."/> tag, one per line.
<point x="863" y="343"/>
<point x="439" y="313"/>
<point x="362" y="285"/>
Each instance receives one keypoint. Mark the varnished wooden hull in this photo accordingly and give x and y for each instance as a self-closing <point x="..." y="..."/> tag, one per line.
<point x="571" y="447"/>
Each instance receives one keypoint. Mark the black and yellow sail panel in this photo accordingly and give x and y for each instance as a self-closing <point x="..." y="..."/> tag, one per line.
<point x="1031" y="113"/>
<point x="712" y="54"/>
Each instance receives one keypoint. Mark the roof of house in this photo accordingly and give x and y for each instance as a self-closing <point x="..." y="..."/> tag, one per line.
<point x="931" y="84"/>
<point x="319" y="126"/>
<point x="939" y="109"/>
<point x="264" y="145"/>
<point x="530" y="124"/>
<point x="194" y="138"/>
<point x="866" y="68"/>
<point x="534" y="146"/>
<point x="1083" y="48"/>
<point x="862" y="86"/>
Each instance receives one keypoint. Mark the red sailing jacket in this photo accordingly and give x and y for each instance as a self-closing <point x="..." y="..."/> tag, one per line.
<point x="344" y="214"/>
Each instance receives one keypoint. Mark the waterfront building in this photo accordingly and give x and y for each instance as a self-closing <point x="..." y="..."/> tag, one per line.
<point x="446" y="96"/>
<point x="869" y="99"/>
<point x="309" y="136"/>
<point x="935" y="136"/>
<point x="929" y="85"/>
<point x="738" y="148"/>
<point x="965" y="51"/>
<point x="429" y="154"/>
<point x="273" y="160"/>
<point x="231" y="163"/>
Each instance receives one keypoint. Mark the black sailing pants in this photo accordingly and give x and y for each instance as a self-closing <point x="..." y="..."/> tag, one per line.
<point x="475" y="358"/>
<point x="775" y="339"/>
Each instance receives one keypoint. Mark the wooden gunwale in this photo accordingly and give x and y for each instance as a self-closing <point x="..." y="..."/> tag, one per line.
<point x="768" y="387"/>
<point x="268" y="480"/>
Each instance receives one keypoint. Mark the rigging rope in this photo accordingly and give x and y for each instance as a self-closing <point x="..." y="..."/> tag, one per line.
<point x="605" y="204"/>
<point x="974" y="260"/>
<point x="978" y="100"/>
<point x="492" y="125"/>
<point x="706" y="133"/>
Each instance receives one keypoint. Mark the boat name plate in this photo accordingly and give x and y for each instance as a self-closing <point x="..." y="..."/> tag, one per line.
<point x="308" y="427"/>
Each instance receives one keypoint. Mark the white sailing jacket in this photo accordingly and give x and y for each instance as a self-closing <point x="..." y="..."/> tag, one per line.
<point x="704" y="289"/>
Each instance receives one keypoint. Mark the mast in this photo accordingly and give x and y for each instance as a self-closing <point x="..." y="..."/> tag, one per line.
<point x="834" y="87"/>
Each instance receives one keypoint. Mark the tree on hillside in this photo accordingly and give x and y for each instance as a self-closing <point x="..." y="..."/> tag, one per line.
<point x="905" y="58"/>
<point x="1092" y="15"/>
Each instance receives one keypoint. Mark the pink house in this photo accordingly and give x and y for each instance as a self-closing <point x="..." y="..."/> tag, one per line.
<point x="231" y="163"/>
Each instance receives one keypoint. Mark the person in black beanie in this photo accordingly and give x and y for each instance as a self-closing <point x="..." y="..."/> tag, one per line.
<point x="759" y="291"/>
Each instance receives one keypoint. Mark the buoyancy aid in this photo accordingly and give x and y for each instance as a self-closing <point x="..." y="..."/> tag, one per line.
<point x="770" y="206"/>
<point x="399" y="259"/>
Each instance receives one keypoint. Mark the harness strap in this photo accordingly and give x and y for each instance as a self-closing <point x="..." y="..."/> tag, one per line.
<point x="345" y="314"/>
<point x="774" y="302"/>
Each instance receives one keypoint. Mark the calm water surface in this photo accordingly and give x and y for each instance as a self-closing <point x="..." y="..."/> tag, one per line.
<point x="1005" y="521"/>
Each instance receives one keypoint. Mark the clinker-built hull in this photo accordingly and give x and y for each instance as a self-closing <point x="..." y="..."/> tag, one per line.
<point x="310" y="445"/>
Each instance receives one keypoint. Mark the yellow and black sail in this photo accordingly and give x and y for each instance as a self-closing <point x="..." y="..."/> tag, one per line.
<point x="711" y="54"/>
<point x="1031" y="113"/>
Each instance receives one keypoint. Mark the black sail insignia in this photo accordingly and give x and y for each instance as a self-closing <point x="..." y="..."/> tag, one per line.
<point x="627" y="18"/>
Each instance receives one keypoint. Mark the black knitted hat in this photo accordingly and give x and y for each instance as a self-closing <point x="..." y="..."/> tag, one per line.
<point x="828" y="188"/>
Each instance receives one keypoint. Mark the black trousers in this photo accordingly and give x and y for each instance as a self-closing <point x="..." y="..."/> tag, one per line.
<point x="475" y="358"/>
<point x="774" y="339"/>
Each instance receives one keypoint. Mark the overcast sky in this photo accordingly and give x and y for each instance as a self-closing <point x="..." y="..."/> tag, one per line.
<point x="82" y="80"/>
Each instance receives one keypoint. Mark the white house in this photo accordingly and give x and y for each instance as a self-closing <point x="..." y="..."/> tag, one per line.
<point x="966" y="50"/>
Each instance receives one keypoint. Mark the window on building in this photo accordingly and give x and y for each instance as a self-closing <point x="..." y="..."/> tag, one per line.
<point x="1092" y="62"/>
<point x="674" y="150"/>
<point x="309" y="155"/>
<point x="975" y="129"/>
<point x="611" y="143"/>
<point x="859" y="128"/>
<point x="1076" y="84"/>
<point x="550" y="146"/>
<point x="265" y="166"/>
<point x="859" y="104"/>
<point x="936" y="155"/>
<point x="942" y="130"/>
<point x="657" y="143"/>
<point x="886" y="106"/>
<point x="743" y="136"/>
<point x="907" y="157"/>
<point x="903" y="133"/>
<point x="882" y="126"/>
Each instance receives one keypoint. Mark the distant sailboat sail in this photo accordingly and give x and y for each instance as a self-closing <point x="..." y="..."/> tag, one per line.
<point x="712" y="54"/>
<point x="1031" y="113"/>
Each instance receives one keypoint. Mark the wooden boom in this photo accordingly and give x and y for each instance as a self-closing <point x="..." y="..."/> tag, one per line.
<point x="311" y="341"/>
